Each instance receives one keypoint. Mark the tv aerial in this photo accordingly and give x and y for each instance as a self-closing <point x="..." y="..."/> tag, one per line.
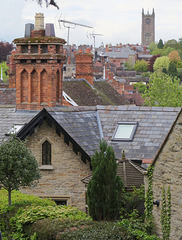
<point x="70" y="25"/>
<point x="93" y="35"/>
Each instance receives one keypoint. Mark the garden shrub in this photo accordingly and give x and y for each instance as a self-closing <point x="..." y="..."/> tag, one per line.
<point x="18" y="200"/>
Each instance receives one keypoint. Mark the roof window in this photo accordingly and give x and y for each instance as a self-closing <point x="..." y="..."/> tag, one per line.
<point x="15" y="129"/>
<point x="125" y="131"/>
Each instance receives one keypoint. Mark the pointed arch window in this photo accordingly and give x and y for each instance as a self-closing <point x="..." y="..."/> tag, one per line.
<point x="46" y="153"/>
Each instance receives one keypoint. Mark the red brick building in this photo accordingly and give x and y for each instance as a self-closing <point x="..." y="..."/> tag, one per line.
<point x="36" y="68"/>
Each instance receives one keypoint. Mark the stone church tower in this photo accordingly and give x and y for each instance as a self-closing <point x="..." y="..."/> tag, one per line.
<point x="36" y="67"/>
<point x="148" y="28"/>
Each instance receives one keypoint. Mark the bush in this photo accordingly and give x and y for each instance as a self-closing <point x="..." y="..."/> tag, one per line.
<point x="18" y="200"/>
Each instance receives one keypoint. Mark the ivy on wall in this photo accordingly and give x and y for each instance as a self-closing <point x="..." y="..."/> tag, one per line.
<point x="149" y="202"/>
<point x="166" y="213"/>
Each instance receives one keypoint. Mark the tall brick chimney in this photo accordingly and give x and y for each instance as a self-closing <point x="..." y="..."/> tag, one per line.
<point x="37" y="69"/>
<point x="84" y="65"/>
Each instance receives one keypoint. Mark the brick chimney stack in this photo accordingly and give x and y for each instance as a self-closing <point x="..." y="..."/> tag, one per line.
<point x="36" y="69"/>
<point x="84" y="65"/>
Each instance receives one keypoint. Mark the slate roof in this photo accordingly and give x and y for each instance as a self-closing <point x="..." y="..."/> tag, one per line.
<point x="82" y="127"/>
<point x="153" y="125"/>
<point x="7" y="95"/>
<point x="9" y="116"/>
<point x="86" y="125"/>
<point x="125" y="52"/>
<point x="85" y="95"/>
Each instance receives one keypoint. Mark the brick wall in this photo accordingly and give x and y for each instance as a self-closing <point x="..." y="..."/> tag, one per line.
<point x="64" y="180"/>
<point x="38" y="85"/>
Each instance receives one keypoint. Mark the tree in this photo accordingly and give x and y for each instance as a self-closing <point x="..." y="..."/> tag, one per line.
<point x="172" y="43"/>
<point x="152" y="46"/>
<point x="4" y="68"/>
<point x="105" y="187"/>
<point x="128" y="66"/>
<point x="168" y="50"/>
<point x="141" y="87"/>
<point x="163" y="91"/>
<point x="48" y="2"/>
<point x="141" y="66"/>
<point x="161" y="63"/>
<point x="18" y="167"/>
<point x="174" y="56"/>
<point x="5" y="50"/>
<point x="151" y="62"/>
<point x="160" y="45"/>
<point x="172" y="70"/>
<point x="180" y="42"/>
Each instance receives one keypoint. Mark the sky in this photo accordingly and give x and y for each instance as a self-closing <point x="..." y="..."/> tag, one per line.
<point x="118" y="21"/>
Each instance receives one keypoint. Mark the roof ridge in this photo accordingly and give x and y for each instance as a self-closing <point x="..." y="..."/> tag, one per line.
<point x="138" y="108"/>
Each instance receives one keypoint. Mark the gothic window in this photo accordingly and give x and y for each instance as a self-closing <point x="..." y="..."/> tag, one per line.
<point x="147" y="37"/>
<point x="46" y="153"/>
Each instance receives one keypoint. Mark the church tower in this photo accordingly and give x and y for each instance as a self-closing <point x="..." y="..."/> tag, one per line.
<point x="148" y="28"/>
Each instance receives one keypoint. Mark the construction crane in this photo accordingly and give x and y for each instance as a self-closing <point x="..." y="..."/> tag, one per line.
<point x="69" y="24"/>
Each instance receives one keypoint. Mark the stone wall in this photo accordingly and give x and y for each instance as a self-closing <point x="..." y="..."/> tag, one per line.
<point x="62" y="179"/>
<point x="168" y="172"/>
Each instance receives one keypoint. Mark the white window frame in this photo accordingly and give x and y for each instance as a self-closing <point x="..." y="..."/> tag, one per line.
<point x="131" y="135"/>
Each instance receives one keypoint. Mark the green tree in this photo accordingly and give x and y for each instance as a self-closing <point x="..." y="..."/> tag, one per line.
<point x="141" y="87"/>
<point x="167" y="51"/>
<point x="172" y="43"/>
<point x="180" y="42"/>
<point x="161" y="63"/>
<point x="152" y="46"/>
<point x="172" y="70"/>
<point x="128" y="66"/>
<point x="4" y="67"/>
<point x="141" y="66"/>
<point x="18" y="167"/>
<point x="163" y="91"/>
<point x="160" y="45"/>
<point x="105" y="187"/>
<point x="158" y="51"/>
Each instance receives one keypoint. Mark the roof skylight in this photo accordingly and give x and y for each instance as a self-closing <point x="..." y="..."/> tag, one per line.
<point x="15" y="129"/>
<point x="125" y="131"/>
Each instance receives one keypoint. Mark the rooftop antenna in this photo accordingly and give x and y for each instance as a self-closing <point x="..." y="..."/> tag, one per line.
<point x="94" y="35"/>
<point x="69" y="24"/>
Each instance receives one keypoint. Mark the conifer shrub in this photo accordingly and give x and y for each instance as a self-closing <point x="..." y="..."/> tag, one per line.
<point x="105" y="188"/>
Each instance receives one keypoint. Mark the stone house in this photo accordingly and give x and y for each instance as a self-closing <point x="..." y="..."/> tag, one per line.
<point x="63" y="140"/>
<point x="168" y="173"/>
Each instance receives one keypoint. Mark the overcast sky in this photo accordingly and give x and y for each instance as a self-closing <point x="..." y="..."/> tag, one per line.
<point x="118" y="20"/>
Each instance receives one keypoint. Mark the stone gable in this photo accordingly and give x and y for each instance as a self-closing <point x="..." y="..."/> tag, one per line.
<point x="168" y="172"/>
<point x="63" y="179"/>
